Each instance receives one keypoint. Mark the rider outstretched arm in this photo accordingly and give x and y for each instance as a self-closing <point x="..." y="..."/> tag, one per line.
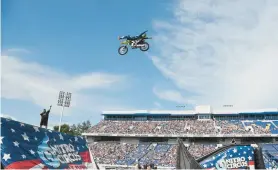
<point x="123" y="37"/>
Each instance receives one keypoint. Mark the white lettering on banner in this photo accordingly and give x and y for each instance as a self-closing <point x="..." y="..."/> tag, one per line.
<point x="60" y="149"/>
<point x="55" y="155"/>
<point x="233" y="163"/>
<point x="65" y="153"/>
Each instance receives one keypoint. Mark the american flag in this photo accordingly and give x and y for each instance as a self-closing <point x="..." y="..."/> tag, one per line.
<point x="26" y="147"/>
<point x="240" y="153"/>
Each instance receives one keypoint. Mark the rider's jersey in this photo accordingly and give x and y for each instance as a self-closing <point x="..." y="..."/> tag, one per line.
<point x="128" y="37"/>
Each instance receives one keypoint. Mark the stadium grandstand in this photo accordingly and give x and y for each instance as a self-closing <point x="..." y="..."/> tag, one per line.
<point x="129" y="138"/>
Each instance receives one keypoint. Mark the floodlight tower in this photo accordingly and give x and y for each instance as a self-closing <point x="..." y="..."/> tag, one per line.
<point x="63" y="101"/>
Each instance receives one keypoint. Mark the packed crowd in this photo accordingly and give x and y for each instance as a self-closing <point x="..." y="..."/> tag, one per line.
<point x="175" y="127"/>
<point x="198" y="151"/>
<point x="147" y="153"/>
<point x="262" y="127"/>
<point x="231" y="127"/>
<point x="110" y="152"/>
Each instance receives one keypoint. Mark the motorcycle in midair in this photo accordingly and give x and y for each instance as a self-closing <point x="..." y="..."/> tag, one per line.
<point x="137" y="42"/>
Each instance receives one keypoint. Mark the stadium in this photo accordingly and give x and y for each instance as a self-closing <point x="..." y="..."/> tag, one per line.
<point x="149" y="137"/>
<point x="74" y="75"/>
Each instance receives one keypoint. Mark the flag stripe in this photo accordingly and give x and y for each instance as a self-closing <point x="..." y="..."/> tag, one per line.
<point x="251" y="163"/>
<point x="23" y="164"/>
<point x="85" y="156"/>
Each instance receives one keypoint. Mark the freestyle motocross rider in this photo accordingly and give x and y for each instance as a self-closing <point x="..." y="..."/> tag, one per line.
<point x="132" y="38"/>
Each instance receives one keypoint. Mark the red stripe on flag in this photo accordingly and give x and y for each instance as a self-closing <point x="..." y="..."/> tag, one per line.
<point x="75" y="166"/>
<point x="251" y="163"/>
<point x="31" y="163"/>
<point x="85" y="156"/>
<point x="23" y="164"/>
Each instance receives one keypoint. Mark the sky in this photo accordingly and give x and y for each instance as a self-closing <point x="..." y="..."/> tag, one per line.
<point x="203" y="52"/>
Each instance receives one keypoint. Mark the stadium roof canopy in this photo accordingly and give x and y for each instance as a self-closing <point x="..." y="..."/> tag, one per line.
<point x="158" y="112"/>
<point x="199" y="110"/>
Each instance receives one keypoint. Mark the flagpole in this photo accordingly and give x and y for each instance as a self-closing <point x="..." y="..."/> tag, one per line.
<point x="64" y="101"/>
<point x="62" y="112"/>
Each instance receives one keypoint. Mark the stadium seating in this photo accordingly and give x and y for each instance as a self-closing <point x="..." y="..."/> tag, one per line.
<point x="184" y="127"/>
<point x="200" y="150"/>
<point x="164" y="154"/>
<point x="275" y="122"/>
<point x="143" y="153"/>
<point x="270" y="154"/>
<point x="262" y="127"/>
<point x="275" y="127"/>
<point x="110" y="152"/>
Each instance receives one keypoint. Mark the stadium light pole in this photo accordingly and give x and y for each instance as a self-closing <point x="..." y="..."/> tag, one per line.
<point x="63" y="101"/>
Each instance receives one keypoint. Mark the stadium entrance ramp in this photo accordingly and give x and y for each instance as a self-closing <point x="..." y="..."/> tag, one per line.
<point x="184" y="159"/>
<point x="24" y="146"/>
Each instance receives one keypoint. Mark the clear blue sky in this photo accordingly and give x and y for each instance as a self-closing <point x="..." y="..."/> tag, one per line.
<point x="201" y="53"/>
<point x="78" y="37"/>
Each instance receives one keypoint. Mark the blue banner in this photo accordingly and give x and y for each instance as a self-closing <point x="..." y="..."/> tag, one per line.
<point x="238" y="157"/>
<point x="25" y="146"/>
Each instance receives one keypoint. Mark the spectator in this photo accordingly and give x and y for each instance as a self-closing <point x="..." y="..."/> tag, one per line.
<point x="196" y="127"/>
<point x="155" y="154"/>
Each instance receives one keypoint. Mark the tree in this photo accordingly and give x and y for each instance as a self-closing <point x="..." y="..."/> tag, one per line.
<point x="76" y="130"/>
<point x="81" y="127"/>
<point x="65" y="128"/>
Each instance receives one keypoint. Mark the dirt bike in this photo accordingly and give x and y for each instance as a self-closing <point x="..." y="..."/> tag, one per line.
<point x="134" y="44"/>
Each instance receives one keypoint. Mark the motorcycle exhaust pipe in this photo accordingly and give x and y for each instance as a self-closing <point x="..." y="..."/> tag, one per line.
<point x="140" y="45"/>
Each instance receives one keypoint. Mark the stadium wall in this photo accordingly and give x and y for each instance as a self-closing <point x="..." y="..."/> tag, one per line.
<point x="130" y="140"/>
<point x="185" y="135"/>
<point x="210" y="140"/>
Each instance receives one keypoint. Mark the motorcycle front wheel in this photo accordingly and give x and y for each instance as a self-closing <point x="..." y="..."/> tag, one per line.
<point x="122" y="50"/>
<point x="145" y="47"/>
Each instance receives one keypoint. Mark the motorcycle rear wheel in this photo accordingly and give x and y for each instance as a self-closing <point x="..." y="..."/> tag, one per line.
<point x="145" y="47"/>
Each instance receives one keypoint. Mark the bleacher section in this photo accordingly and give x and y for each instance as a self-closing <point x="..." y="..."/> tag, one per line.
<point x="270" y="154"/>
<point x="201" y="150"/>
<point x="144" y="153"/>
<point x="262" y="127"/>
<point x="185" y="127"/>
<point x="275" y="130"/>
<point x="202" y="130"/>
<point x="275" y="122"/>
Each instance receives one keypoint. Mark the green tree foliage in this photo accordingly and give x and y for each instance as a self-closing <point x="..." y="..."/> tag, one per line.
<point x="81" y="127"/>
<point x="76" y="130"/>
<point x="65" y="128"/>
